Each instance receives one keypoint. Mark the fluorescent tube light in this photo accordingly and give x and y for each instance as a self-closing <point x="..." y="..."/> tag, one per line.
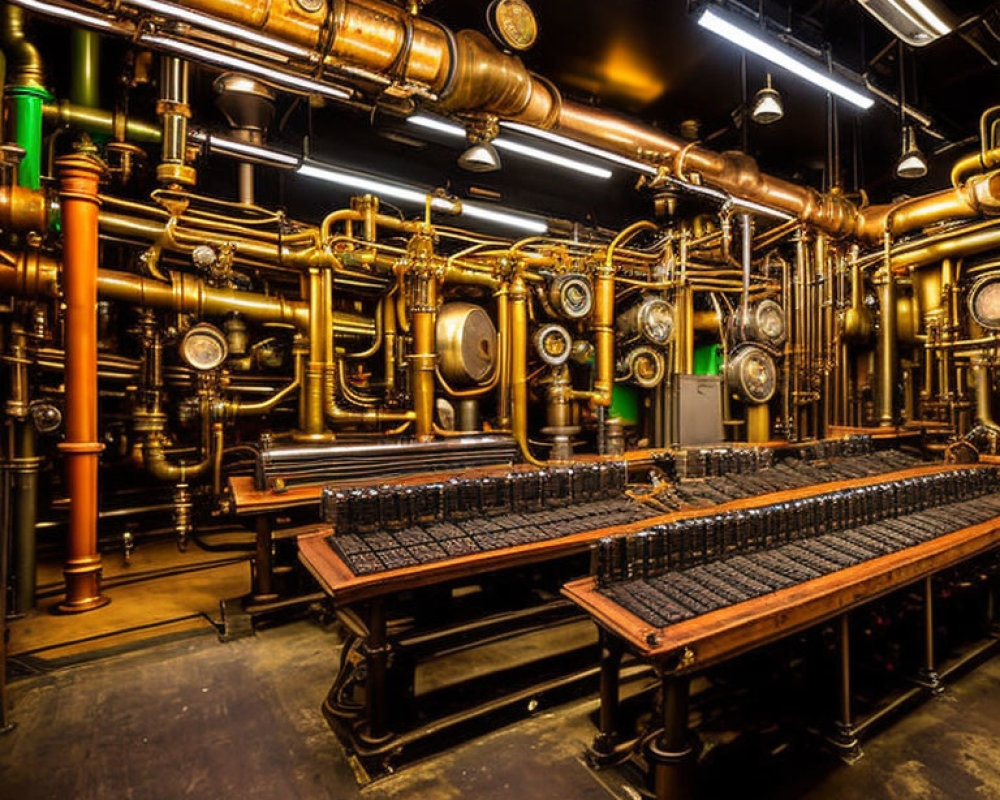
<point x="171" y="11"/>
<point x="234" y="147"/>
<point x="755" y="45"/>
<point x="580" y="147"/>
<point x="68" y="14"/>
<point x="414" y="196"/>
<point x="227" y="62"/>
<point x="451" y="129"/>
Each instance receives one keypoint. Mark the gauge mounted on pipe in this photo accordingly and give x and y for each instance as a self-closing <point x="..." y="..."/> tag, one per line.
<point x="652" y="320"/>
<point x="204" y="347"/>
<point x="751" y="374"/>
<point x="570" y="295"/>
<point x="764" y="323"/>
<point x="553" y="344"/>
<point x="984" y="302"/>
<point x="644" y="366"/>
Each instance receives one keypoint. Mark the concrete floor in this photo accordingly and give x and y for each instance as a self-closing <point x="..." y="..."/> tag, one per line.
<point x="200" y="719"/>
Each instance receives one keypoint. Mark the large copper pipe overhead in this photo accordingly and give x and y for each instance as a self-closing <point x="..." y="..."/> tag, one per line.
<point x="79" y="176"/>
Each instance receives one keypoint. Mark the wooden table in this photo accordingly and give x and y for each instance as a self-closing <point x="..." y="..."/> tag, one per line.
<point x="677" y="651"/>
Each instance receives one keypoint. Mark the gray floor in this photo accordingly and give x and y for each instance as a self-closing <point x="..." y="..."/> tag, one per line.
<point x="201" y="719"/>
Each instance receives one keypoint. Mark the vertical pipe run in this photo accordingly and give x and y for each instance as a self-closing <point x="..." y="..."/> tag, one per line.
<point x="24" y="94"/>
<point x="424" y="354"/>
<point x="887" y="349"/>
<point x="174" y="113"/>
<point x="79" y="176"/>
<point x="85" y="51"/>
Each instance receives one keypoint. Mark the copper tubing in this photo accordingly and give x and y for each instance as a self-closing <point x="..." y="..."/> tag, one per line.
<point x="887" y="348"/>
<point x="79" y="176"/>
<point x="23" y="209"/>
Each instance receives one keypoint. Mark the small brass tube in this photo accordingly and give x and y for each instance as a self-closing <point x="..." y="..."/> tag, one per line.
<point x="519" y="366"/>
<point x="887" y="348"/>
<point x="389" y="345"/>
<point x="424" y="356"/>
<point x="758" y="423"/>
<point x="174" y="112"/>
<point x="503" y="356"/>
<point x="984" y="397"/>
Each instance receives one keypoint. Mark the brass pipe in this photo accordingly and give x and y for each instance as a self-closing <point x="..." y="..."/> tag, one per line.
<point x="174" y="113"/>
<point x="389" y="344"/>
<point x="97" y="120"/>
<point x="424" y="356"/>
<point x="758" y="423"/>
<point x="240" y="408"/>
<point x="518" y="293"/>
<point x="79" y="176"/>
<point x="23" y="61"/>
<point x="887" y="344"/>
<point x="503" y="356"/>
<point x="984" y="395"/>
<point x="973" y="163"/>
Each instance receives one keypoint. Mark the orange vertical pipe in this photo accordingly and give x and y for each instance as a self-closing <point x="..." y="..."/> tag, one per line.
<point x="79" y="176"/>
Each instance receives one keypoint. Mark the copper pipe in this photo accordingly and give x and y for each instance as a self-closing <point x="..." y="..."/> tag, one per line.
<point x="519" y="366"/>
<point x="79" y="176"/>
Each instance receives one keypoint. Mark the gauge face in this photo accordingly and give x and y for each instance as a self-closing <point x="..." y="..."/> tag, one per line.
<point x="513" y="23"/>
<point x="203" y="347"/>
<point x="646" y="367"/>
<point x="984" y="302"/>
<point x="770" y="322"/>
<point x="571" y="295"/>
<point x="656" y="321"/>
<point x="553" y="344"/>
<point x="752" y="375"/>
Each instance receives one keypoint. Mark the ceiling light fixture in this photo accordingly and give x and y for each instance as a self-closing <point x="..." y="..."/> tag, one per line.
<point x="171" y="11"/>
<point x="912" y="163"/>
<point x="480" y="157"/>
<point x="415" y="196"/>
<point x="511" y="146"/>
<point x="270" y="75"/>
<point x="69" y="14"/>
<point x="767" y="105"/>
<point x="916" y="22"/>
<point x="711" y="19"/>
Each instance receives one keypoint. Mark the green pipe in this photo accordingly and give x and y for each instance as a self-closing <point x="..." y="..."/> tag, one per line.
<point x="25" y="505"/>
<point x="24" y="107"/>
<point x="85" y="52"/>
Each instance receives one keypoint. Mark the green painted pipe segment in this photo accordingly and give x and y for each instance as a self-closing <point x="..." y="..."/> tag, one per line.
<point x="624" y="404"/>
<point x="24" y="107"/>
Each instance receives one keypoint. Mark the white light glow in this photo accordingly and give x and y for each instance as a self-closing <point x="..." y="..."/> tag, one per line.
<point x="68" y="14"/>
<point x="510" y="146"/>
<point x="756" y="46"/>
<point x="413" y="196"/>
<point x="580" y="147"/>
<point x="171" y="11"/>
<point x="228" y="62"/>
<point x="922" y="14"/>
<point x="234" y="146"/>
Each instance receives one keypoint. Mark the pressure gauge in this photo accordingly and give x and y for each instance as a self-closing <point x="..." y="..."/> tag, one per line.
<point x="984" y="302"/>
<point x="752" y="375"/>
<point x="512" y="23"/>
<point x="204" y="347"/>
<point x="652" y="320"/>
<point x="571" y="295"/>
<point x="764" y="323"/>
<point x="645" y="366"/>
<point x="554" y="344"/>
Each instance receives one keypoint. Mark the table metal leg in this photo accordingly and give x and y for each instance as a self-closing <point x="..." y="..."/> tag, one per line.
<point x="376" y="649"/>
<point x="602" y="751"/>
<point x="927" y="675"/>
<point x="845" y="737"/>
<point x="670" y="753"/>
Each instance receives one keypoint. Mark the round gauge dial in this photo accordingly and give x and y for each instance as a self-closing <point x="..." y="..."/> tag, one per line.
<point x="571" y="295"/>
<point x="204" y="347"/>
<point x="752" y="375"/>
<point x="513" y="23"/>
<point x="656" y="321"/>
<point x="984" y="302"/>
<point x="553" y="344"/>
<point x="646" y="367"/>
<point x="770" y="322"/>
